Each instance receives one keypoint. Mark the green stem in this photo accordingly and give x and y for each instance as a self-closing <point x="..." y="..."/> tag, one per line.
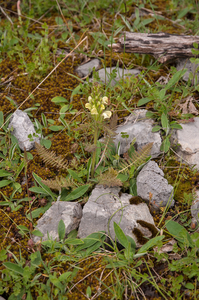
<point x="94" y="153"/>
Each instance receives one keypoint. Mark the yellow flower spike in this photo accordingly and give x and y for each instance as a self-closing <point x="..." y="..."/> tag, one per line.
<point x="94" y="111"/>
<point x="105" y="100"/>
<point x="88" y="105"/>
<point x="107" y="114"/>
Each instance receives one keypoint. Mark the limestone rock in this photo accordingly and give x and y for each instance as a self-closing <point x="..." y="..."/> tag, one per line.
<point x="22" y="127"/>
<point x="184" y="63"/>
<point x="104" y="74"/>
<point x="153" y="187"/>
<point x="69" y="212"/>
<point x="87" y="68"/>
<point x="195" y="209"/>
<point x="139" y="127"/>
<point x="105" y="206"/>
<point x="187" y="140"/>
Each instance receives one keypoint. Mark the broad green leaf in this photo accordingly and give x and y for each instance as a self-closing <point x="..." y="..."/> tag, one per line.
<point x="3" y="254"/>
<point x="38" y="190"/>
<point x="90" y="240"/>
<point x="175" y="78"/>
<point x="44" y="187"/>
<point x="177" y="231"/>
<point x="164" y="122"/>
<point x="143" y="101"/>
<point x="132" y="242"/>
<point x="61" y="229"/>
<point x="165" y="145"/>
<point x="70" y="241"/>
<point x="74" y="175"/>
<point x="41" y="210"/>
<point x="4" y="173"/>
<point x="151" y="243"/>
<point x="36" y="258"/>
<point x="1" y="118"/>
<point x="5" y="183"/>
<point x="77" y="193"/>
<point x="64" y="109"/>
<point x="156" y="128"/>
<point x="189" y="286"/>
<point x="37" y="233"/>
<point x="13" y="267"/>
<point x="64" y="276"/>
<point x="59" y="99"/>
<point x="44" y="120"/>
<point x="46" y="143"/>
<point x="175" y="126"/>
<point x="22" y="228"/>
<point x="56" y="282"/>
<point x="56" y="128"/>
<point x="120" y="235"/>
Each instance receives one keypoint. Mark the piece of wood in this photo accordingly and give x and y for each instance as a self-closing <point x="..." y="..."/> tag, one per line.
<point x="163" y="46"/>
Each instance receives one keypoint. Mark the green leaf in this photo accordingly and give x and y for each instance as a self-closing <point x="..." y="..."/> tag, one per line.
<point x="151" y="243"/>
<point x="132" y="242"/>
<point x="77" y="193"/>
<point x="175" y="78"/>
<point x="120" y="235"/>
<point x="3" y="254"/>
<point x="143" y="101"/>
<point x="61" y="229"/>
<point x="179" y="232"/>
<point x="91" y="239"/>
<point x="1" y="118"/>
<point x="156" y="128"/>
<point x="56" y="128"/>
<point x="4" y="173"/>
<point x="64" y="276"/>
<point x="41" y="210"/>
<point x="59" y="99"/>
<point x="165" y="122"/>
<point x="46" y="143"/>
<point x="165" y="145"/>
<point x="70" y="241"/>
<point x="175" y="125"/>
<point x="64" y="109"/>
<point x="38" y="190"/>
<point x="74" y="175"/>
<point x="5" y="183"/>
<point x="189" y="286"/>
<point x="44" y="187"/>
<point x="37" y="233"/>
<point x="13" y="267"/>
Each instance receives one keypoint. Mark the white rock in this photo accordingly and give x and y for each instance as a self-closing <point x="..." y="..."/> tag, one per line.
<point x="22" y="127"/>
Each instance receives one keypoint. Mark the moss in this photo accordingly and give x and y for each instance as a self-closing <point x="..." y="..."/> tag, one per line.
<point x="139" y="236"/>
<point x="149" y="226"/>
<point x="136" y="200"/>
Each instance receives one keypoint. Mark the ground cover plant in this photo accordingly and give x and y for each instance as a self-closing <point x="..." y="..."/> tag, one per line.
<point x="41" y="44"/>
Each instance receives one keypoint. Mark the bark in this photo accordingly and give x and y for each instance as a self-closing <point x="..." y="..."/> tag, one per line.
<point x="163" y="46"/>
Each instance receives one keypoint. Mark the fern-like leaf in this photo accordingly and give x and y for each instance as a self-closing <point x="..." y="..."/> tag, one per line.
<point x="109" y="178"/>
<point x="137" y="158"/>
<point x="50" y="157"/>
<point x="59" y="183"/>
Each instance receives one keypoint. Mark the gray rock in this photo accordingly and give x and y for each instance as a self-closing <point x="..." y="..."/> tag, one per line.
<point x="22" y="127"/>
<point x="87" y="68"/>
<point x="195" y="209"/>
<point x="69" y="212"/>
<point x="153" y="187"/>
<point x="139" y="127"/>
<point x="104" y="74"/>
<point x="105" y="206"/>
<point x="1" y="298"/>
<point x="187" y="140"/>
<point x="184" y="63"/>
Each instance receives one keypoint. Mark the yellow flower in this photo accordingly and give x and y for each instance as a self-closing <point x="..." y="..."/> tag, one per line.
<point x="94" y="111"/>
<point x="107" y="114"/>
<point x="88" y="105"/>
<point x="89" y="99"/>
<point x="105" y="100"/>
<point x="102" y="107"/>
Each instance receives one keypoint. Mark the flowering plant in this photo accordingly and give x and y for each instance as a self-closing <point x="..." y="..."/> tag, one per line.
<point x="96" y="105"/>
